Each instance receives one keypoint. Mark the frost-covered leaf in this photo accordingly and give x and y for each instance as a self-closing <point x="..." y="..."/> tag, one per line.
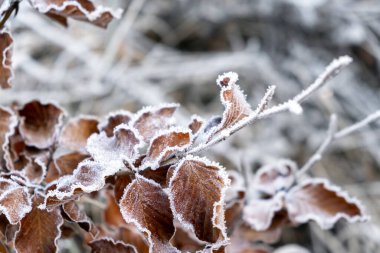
<point x="165" y="144"/>
<point x="8" y="122"/>
<point x="82" y="10"/>
<point x="40" y="123"/>
<point x="113" y="120"/>
<point x="75" y="214"/>
<point x="234" y="212"/>
<point x="6" y="73"/>
<point x="236" y="108"/>
<point x="151" y="120"/>
<point x="36" y="169"/>
<point x="75" y="133"/>
<point x="196" y="124"/>
<point x="258" y="213"/>
<point x="197" y="190"/>
<point x="108" y="245"/>
<point x="121" y="181"/>
<point x="159" y="175"/>
<point x="15" y="201"/>
<point x="320" y="201"/>
<point x="113" y="151"/>
<point x="39" y="230"/>
<point x="131" y="235"/>
<point x="88" y="177"/>
<point x="186" y="241"/>
<point x="275" y="177"/>
<point x="146" y="205"/>
<point x="67" y="163"/>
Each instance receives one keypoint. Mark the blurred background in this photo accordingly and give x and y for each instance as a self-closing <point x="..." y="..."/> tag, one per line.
<point x="173" y="50"/>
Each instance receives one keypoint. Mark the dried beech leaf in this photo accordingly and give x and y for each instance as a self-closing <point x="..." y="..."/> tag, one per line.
<point x="159" y="175"/>
<point x="185" y="241"/>
<point x="197" y="190"/>
<point x="6" y="73"/>
<point x="129" y="234"/>
<point x="236" y="108"/>
<point x="8" y="122"/>
<point x="113" y="120"/>
<point x="146" y="205"/>
<point x="112" y="214"/>
<point x="320" y="201"/>
<point x="258" y="213"/>
<point x="122" y="181"/>
<point x="234" y="212"/>
<point x="75" y="133"/>
<point x="164" y="145"/>
<point x="39" y="230"/>
<point x="82" y="10"/>
<point x="15" y="200"/>
<point x="113" y="151"/>
<point x="275" y="177"/>
<point x="75" y="214"/>
<point x="108" y="245"/>
<point x="40" y="123"/>
<point x="196" y="124"/>
<point x="36" y="169"/>
<point x="67" y="163"/>
<point x="150" y="120"/>
<point x="88" y="177"/>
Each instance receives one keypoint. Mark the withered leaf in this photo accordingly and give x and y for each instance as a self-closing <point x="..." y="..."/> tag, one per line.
<point x="236" y="108"/>
<point x="196" y="124"/>
<point x="150" y="120"/>
<point x="36" y="170"/>
<point x="75" y="133"/>
<point x="114" y="151"/>
<point x="320" y="201"/>
<point x="39" y="230"/>
<point x="8" y="122"/>
<point x="146" y="205"/>
<point x="234" y="212"/>
<point x="40" y="123"/>
<point x="129" y="234"/>
<point x="185" y="241"/>
<point x="15" y="201"/>
<point x="67" y="163"/>
<point x="122" y="180"/>
<point x="75" y="214"/>
<point x="196" y="196"/>
<point x="164" y="145"/>
<point x="108" y="245"/>
<point x="113" y="120"/>
<point x="82" y="10"/>
<point x="6" y="73"/>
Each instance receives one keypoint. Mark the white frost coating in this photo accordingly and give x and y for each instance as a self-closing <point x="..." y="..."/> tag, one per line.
<point x="109" y="153"/>
<point x="97" y="172"/>
<point x="104" y="122"/>
<point x="11" y="130"/>
<point x="154" y="162"/>
<point x="42" y="7"/>
<point x="324" y="222"/>
<point x="5" y="58"/>
<point x="295" y="107"/>
<point x="291" y="248"/>
<point x="106" y="238"/>
<point x="152" y="109"/>
<point x="233" y="78"/>
<point x="259" y="213"/>
<point x="221" y="172"/>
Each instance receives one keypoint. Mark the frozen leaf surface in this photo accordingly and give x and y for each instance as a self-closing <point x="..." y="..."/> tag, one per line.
<point x="151" y="120"/>
<point x="39" y="230"/>
<point x="40" y="123"/>
<point x="108" y="245"/>
<point x="8" y="121"/>
<point x="75" y="133"/>
<point x="197" y="190"/>
<point x="146" y="205"/>
<point x="75" y="214"/>
<point x="113" y="120"/>
<point x="82" y="10"/>
<point x="6" y="74"/>
<point x="319" y="201"/>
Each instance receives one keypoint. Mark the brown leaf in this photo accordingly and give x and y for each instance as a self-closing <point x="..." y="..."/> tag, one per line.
<point x="150" y="120"/>
<point x="114" y="151"/>
<point x="159" y="175"/>
<point x="6" y="45"/>
<point x="75" y="214"/>
<point x="15" y="200"/>
<point x="320" y="201"/>
<point x="39" y="230"/>
<point x="122" y="181"/>
<point x="75" y="133"/>
<point x="82" y="10"/>
<point x="108" y="245"/>
<point x="36" y="169"/>
<point x="234" y="101"/>
<point x="275" y="177"/>
<point x="8" y="122"/>
<point x="113" y="120"/>
<point x="196" y="124"/>
<point x="164" y="145"/>
<point x="129" y="234"/>
<point x="185" y="241"/>
<point x="40" y="123"/>
<point x="67" y="163"/>
<point x="196" y="197"/>
<point x="112" y="214"/>
<point x="234" y="212"/>
<point x="146" y="205"/>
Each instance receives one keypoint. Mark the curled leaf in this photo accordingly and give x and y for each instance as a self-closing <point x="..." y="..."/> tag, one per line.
<point x="40" y="123"/>
<point x="39" y="230"/>
<point x="320" y="201"/>
<point x="8" y="122"/>
<point x="75" y="214"/>
<point x="6" y="73"/>
<point x="196" y="124"/>
<point x="113" y="120"/>
<point x="146" y="205"/>
<point x="197" y="190"/>
<point x="107" y="245"/>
